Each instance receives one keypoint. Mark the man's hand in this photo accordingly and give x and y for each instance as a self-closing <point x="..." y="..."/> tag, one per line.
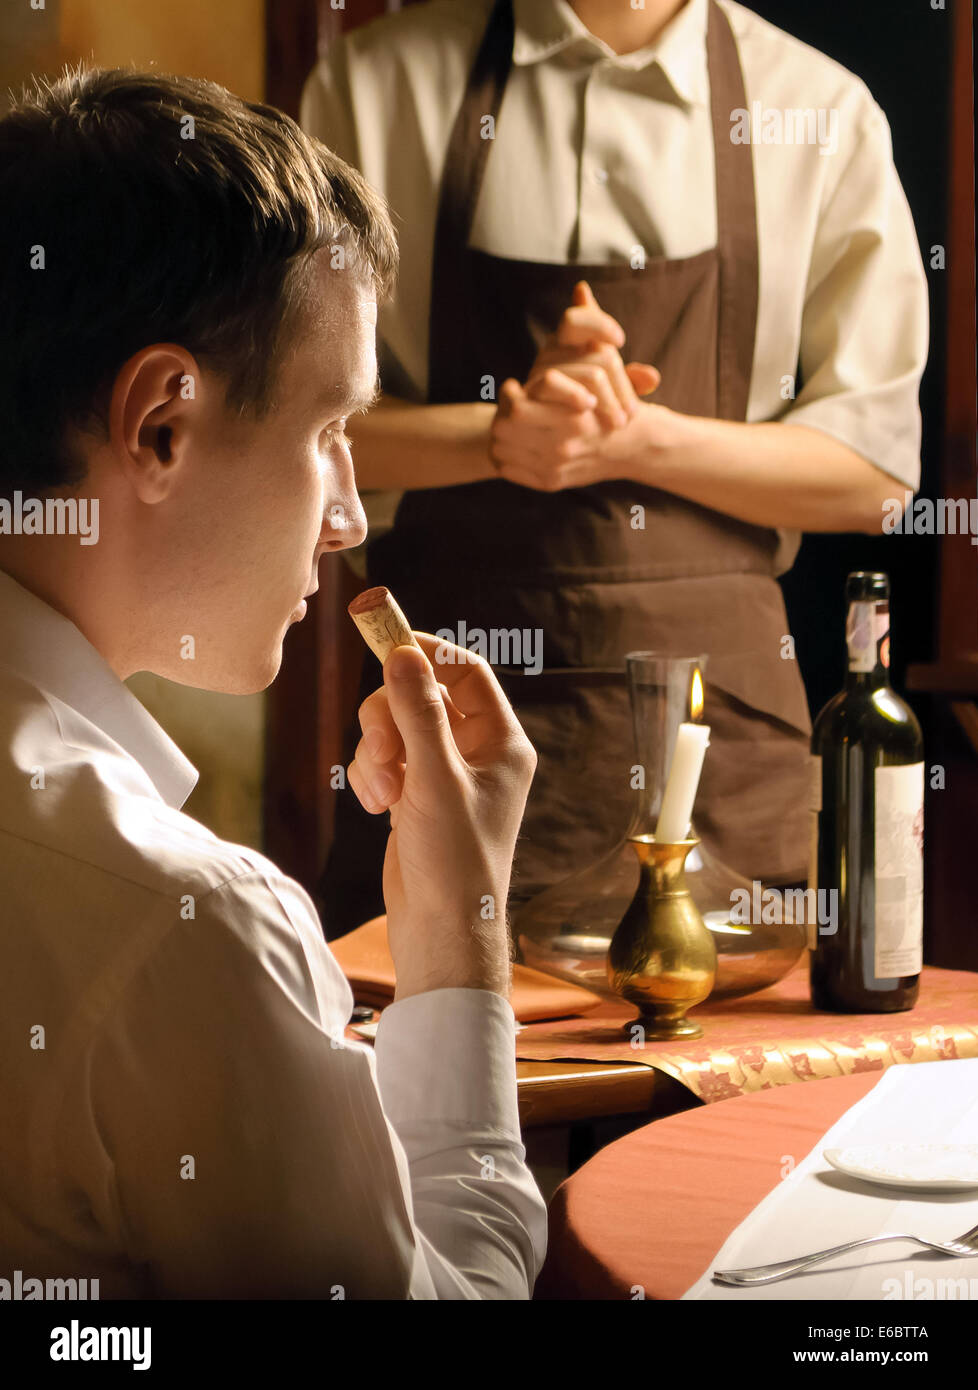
<point x="578" y="420"/>
<point x="443" y="750"/>
<point x="541" y="449"/>
<point x="584" y="348"/>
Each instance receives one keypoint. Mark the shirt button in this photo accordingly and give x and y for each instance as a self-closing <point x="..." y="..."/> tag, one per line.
<point x="600" y="176"/>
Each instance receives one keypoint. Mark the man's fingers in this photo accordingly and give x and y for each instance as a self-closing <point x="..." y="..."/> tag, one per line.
<point x="586" y="318"/>
<point x="376" y="796"/>
<point x="555" y="387"/>
<point x="582" y="323"/>
<point x="592" y="354"/>
<point x="546" y="432"/>
<point x="595" y="378"/>
<point x="418" y="710"/>
<point x="476" y="693"/>
<point x="510" y="394"/>
<point x="381" y="737"/>
<point x="377" y="770"/>
<point x="644" y="378"/>
<point x="609" y="359"/>
<point x="511" y="399"/>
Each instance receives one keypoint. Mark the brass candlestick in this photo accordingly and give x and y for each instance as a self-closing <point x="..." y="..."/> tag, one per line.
<point x="662" y="956"/>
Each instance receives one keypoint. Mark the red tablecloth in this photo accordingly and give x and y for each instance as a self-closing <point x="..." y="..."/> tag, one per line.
<point x="653" y="1209"/>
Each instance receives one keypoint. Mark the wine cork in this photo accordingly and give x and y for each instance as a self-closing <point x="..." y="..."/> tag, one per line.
<point x="382" y="624"/>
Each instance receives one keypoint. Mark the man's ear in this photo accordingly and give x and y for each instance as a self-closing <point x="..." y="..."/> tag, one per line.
<point x="155" y="399"/>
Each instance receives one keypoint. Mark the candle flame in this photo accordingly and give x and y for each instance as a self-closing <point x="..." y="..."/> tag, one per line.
<point x="696" y="697"/>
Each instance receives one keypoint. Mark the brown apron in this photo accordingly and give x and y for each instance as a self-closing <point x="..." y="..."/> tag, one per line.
<point x="501" y="556"/>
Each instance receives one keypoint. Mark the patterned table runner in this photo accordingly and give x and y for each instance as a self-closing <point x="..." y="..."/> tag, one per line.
<point x="774" y="1037"/>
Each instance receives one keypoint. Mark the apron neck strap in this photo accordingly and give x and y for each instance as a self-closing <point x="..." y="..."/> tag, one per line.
<point x="468" y="147"/>
<point x="736" y="223"/>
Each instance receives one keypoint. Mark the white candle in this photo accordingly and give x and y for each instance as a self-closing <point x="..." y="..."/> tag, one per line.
<point x="684" y="778"/>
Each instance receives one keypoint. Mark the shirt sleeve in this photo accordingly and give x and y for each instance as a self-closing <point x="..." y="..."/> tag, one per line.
<point x="865" y="323"/>
<point x="248" y="1151"/>
<point x="446" y="1069"/>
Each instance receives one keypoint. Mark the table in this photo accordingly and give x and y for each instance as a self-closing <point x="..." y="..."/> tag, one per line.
<point x="568" y="1110"/>
<point x="581" y="1084"/>
<point x="653" y="1208"/>
<point x="568" y="1092"/>
<point x="772" y="1038"/>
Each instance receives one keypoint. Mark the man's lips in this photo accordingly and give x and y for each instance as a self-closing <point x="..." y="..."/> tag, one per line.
<point x="301" y="607"/>
<point x="299" y="611"/>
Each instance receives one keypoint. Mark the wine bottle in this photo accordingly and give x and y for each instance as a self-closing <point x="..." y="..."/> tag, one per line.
<point x="866" y="937"/>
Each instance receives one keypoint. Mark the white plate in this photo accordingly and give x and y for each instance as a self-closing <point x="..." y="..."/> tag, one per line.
<point x="925" y="1167"/>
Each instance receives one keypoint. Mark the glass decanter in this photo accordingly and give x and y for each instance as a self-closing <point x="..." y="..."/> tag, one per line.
<point x="566" y="930"/>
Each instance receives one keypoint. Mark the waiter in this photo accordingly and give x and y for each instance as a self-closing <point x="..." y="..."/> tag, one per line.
<point x="566" y="179"/>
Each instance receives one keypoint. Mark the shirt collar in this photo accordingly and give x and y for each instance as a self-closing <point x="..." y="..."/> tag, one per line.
<point x="545" y="27"/>
<point x="53" y="654"/>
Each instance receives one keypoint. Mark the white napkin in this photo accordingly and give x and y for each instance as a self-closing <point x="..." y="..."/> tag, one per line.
<point x="816" y="1207"/>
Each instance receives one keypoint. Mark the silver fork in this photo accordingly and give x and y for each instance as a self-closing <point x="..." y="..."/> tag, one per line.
<point x="962" y="1247"/>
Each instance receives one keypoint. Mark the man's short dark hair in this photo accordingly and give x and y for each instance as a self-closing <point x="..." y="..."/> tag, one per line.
<point x="138" y="208"/>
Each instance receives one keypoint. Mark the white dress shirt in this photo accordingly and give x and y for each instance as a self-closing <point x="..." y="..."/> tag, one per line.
<point x="181" y="1115"/>
<point x="596" y="154"/>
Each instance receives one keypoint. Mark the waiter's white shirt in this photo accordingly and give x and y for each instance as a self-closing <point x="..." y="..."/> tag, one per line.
<point x="181" y="1114"/>
<point x="597" y="156"/>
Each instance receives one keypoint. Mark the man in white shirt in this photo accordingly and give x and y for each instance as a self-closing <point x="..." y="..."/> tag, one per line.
<point x="728" y="193"/>
<point x="190" y="288"/>
<point x="604" y="153"/>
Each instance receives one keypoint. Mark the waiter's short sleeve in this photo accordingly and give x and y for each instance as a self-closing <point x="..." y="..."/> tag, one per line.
<point x="865" y="324"/>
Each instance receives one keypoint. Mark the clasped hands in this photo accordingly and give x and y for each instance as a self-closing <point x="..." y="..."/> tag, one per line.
<point x="579" y="418"/>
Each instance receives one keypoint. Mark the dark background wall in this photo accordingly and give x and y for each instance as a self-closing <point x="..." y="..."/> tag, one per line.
<point x="901" y="49"/>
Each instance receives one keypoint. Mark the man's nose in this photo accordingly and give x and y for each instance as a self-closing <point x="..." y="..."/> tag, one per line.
<point x="344" y="524"/>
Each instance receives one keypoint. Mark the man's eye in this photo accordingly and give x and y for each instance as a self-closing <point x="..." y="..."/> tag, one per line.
<point x="338" y="435"/>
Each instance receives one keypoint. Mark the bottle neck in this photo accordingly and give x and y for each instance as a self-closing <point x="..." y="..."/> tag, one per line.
<point x="868" y="641"/>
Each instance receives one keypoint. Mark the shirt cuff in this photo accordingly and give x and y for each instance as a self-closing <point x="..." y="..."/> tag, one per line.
<point x="449" y="1056"/>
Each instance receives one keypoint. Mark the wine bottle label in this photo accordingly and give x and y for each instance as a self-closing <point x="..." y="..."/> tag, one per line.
<point x="814" y="807"/>
<point x="899" y="934"/>
<point x="868" y="634"/>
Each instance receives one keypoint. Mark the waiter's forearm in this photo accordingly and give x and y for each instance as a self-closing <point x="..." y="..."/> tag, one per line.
<point x="766" y="474"/>
<point x="403" y="445"/>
